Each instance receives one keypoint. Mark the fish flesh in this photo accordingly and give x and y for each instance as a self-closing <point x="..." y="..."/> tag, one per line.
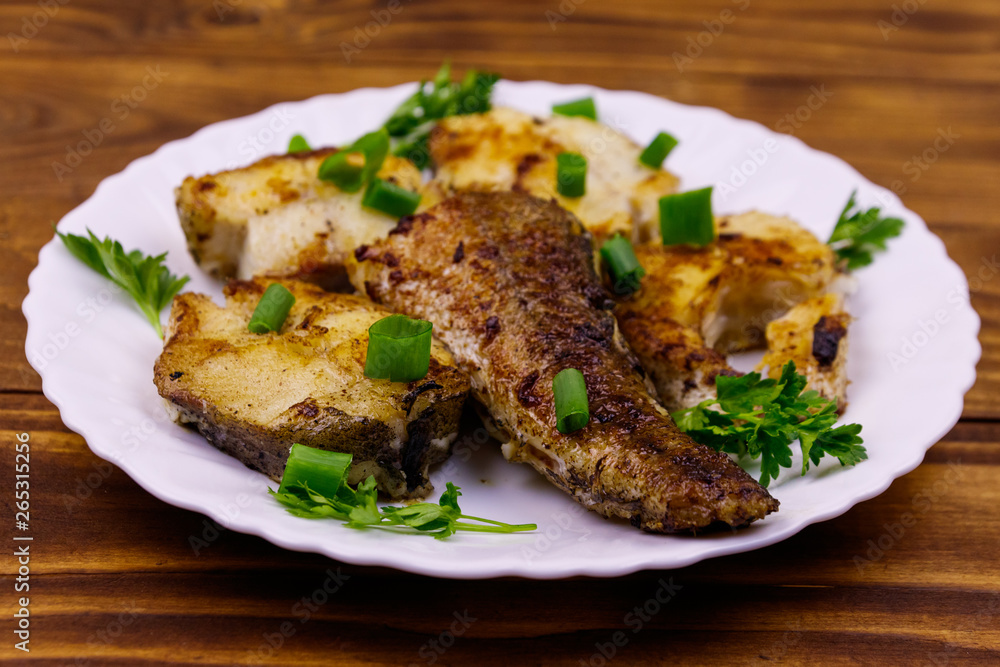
<point x="696" y="305"/>
<point x="277" y="218"/>
<point x="506" y="149"/>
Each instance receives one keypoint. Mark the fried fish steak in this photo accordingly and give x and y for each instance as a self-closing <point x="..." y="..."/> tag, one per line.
<point x="277" y="218"/>
<point x="508" y="281"/>
<point x="505" y="149"/>
<point x="759" y="267"/>
<point x="813" y="334"/>
<point x="696" y="305"/>
<point x="253" y="396"/>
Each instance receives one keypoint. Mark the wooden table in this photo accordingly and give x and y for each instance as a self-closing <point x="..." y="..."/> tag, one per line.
<point x="113" y="577"/>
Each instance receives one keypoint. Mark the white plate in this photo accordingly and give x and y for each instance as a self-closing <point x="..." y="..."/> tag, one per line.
<point x="95" y="352"/>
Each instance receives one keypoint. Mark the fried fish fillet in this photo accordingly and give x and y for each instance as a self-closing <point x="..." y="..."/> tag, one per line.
<point x="505" y="149"/>
<point x="253" y="396"/>
<point x="813" y="334"/>
<point x="508" y="281"/>
<point x="277" y="218"/>
<point x="697" y="304"/>
<point x="683" y="368"/>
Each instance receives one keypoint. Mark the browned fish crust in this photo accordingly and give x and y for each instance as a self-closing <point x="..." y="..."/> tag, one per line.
<point x="679" y="363"/>
<point x="523" y="302"/>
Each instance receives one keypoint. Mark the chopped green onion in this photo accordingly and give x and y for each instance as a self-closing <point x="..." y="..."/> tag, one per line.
<point x="399" y="348"/>
<point x="572" y="409"/>
<point x="298" y="144"/>
<point x="584" y="107"/>
<point x="354" y="166"/>
<point x="687" y="218"/>
<point x="344" y="168"/>
<point x="622" y="264"/>
<point x="657" y="151"/>
<point x="571" y="174"/>
<point x="271" y="310"/>
<point x="321" y="470"/>
<point x="390" y="198"/>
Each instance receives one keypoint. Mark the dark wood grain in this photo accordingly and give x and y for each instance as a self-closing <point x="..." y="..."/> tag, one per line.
<point x="115" y="579"/>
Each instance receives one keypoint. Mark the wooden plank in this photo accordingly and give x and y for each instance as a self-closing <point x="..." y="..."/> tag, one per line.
<point x="933" y="44"/>
<point x="909" y="120"/>
<point x="700" y="625"/>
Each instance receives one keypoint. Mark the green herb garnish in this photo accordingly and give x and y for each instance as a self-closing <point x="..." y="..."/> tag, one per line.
<point x="860" y="234"/>
<point x="626" y="272"/>
<point x="390" y="198"/>
<point x="314" y="487"/>
<point x="271" y="310"/>
<point x="686" y="218"/>
<point x="144" y="277"/>
<point x="353" y="167"/>
<point x="760" y="419"/>
<point x="571" y="174"/>
<point x="657" y="151"/>
<point x="569" y="389"/>
<point x="399" y="349"/>
<point x="412" y="121"/>
<point x="585" y="108"/>
<point x="298" y="144"/>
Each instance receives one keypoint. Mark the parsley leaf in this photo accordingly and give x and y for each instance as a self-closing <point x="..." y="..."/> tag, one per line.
<point x="859" y="234"/>
<point x="144" y="277"/>
<point x="757" y="418"/>
<point x="358" y="508"/>
<point x="412" y="121"/>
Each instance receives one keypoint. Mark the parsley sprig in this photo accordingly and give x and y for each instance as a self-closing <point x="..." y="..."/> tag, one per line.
<point x="760" y="419"/>
<point x="860" y="234"/>
<point x="358" y="507"/>
<point x="411" y="123"/>
<point x="144" y="277"/>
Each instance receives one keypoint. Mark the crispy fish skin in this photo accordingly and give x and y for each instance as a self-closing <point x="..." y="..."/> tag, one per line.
<point x="277" y="218"/>
<point x="254" y="395"/>
<point x="508" y="281"/>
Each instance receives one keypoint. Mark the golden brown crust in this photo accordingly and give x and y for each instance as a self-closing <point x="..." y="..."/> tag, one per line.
<point x="760" y="266"/>
<point x="682" y="368"/>
<point x="505" y="149"/>
<point x="522" y="303"/>
<point x="696" y="304"/>
<point x="773" y="264"/>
